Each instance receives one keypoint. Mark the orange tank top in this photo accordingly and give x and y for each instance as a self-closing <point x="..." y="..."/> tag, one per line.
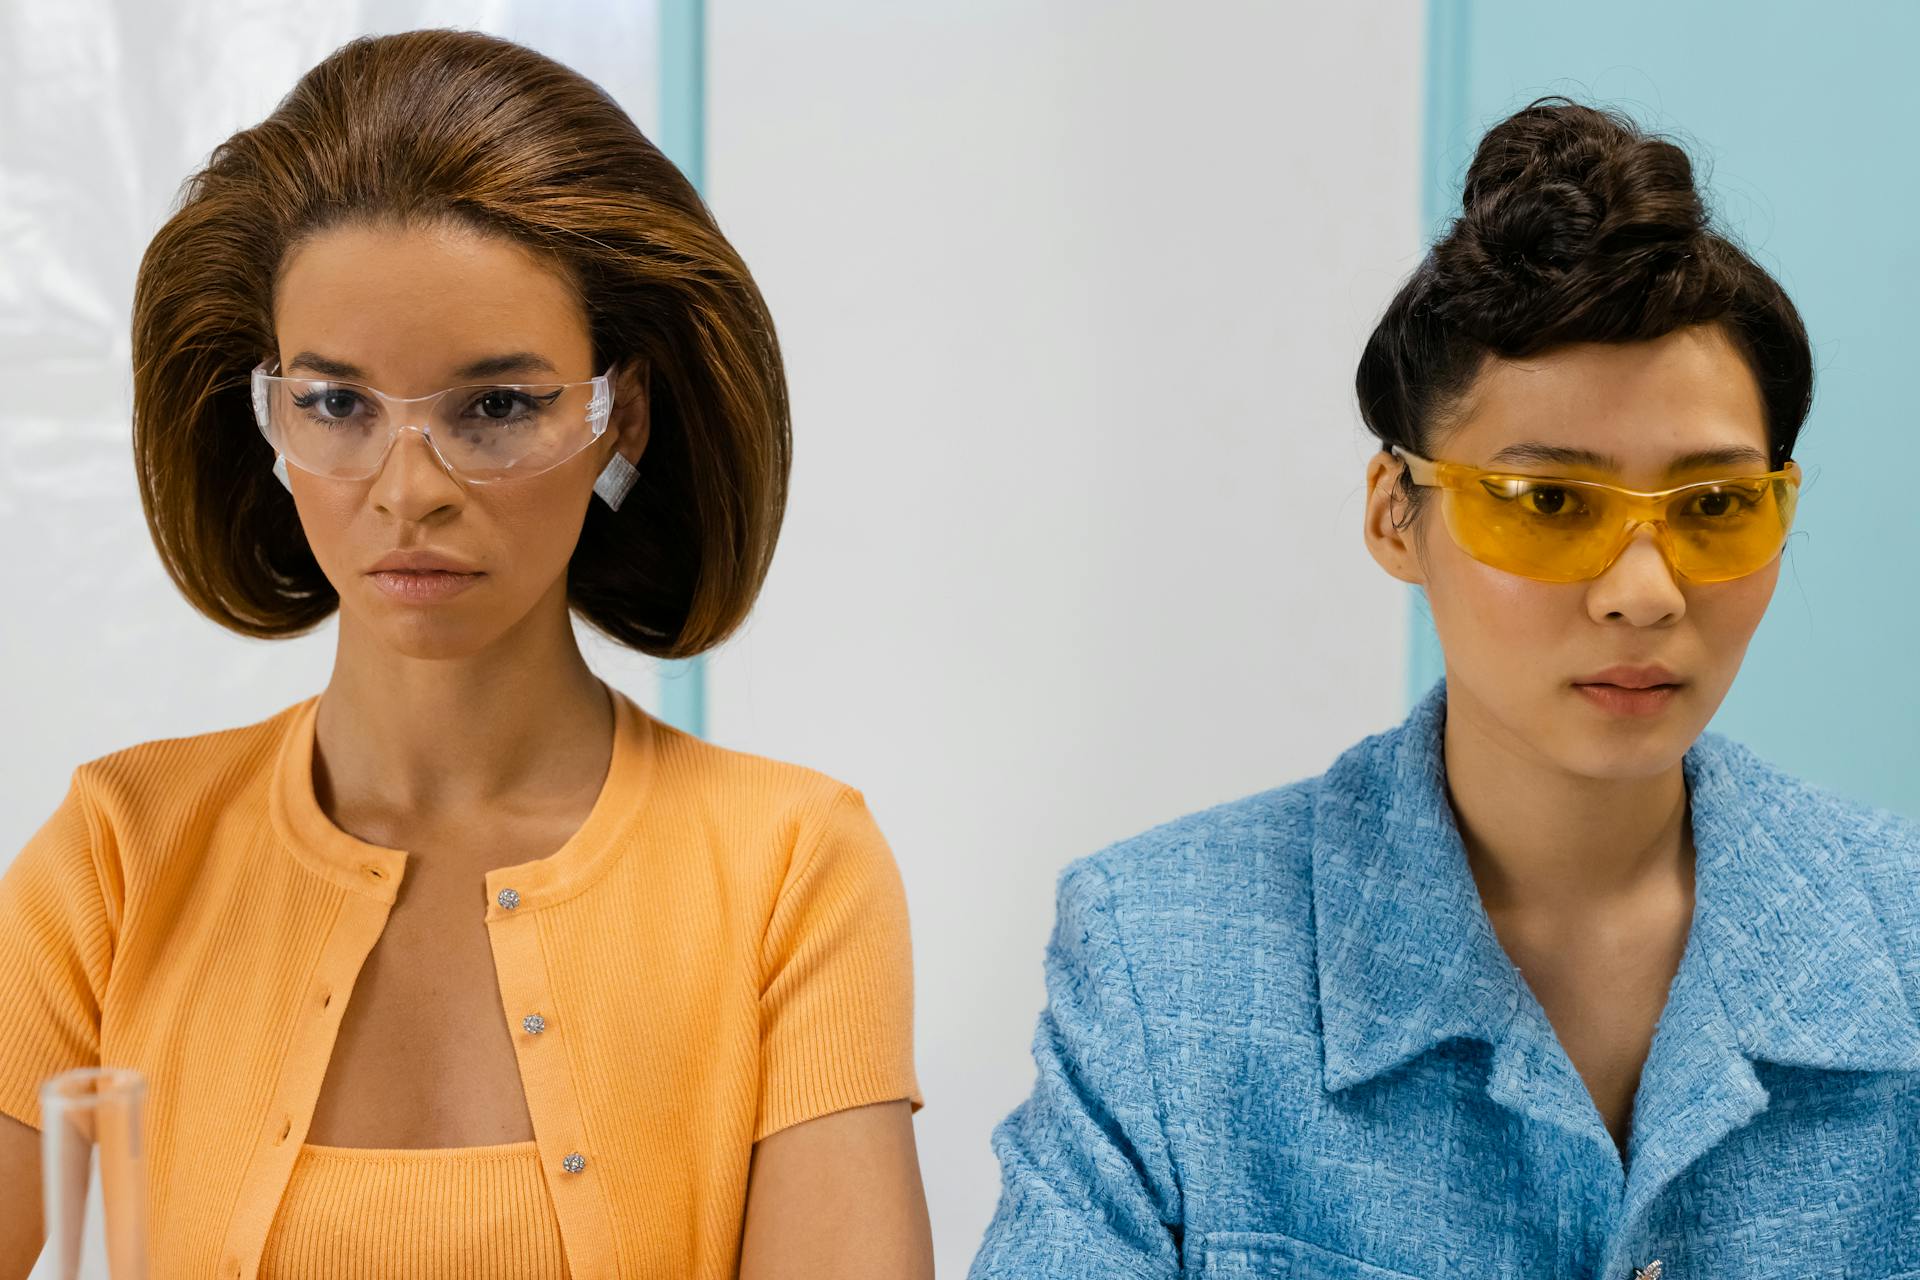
<point x="476" y="1212"/>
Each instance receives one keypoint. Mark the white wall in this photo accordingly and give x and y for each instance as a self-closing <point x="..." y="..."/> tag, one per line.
<point x="1071" y="295"/>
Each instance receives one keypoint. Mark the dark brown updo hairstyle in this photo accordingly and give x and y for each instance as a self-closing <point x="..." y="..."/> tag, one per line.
<point x="1575" y="226"/>
<point x="437" y="125"/>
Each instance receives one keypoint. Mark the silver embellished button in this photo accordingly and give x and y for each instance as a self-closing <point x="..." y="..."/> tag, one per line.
<point x="533" y="1024"/>
<point x="1652" y="1271"/>
<point x="577" y="1163"/>
<point x="508" y="899"/>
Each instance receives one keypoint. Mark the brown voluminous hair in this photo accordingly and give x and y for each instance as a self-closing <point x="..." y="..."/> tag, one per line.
<point x="435" y="125"/>
<point x="1575" y="225"/>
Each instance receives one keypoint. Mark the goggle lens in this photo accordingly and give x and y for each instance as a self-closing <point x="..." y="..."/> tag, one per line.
<point x="485" y="432"/>
<point x="1557" y="530"/>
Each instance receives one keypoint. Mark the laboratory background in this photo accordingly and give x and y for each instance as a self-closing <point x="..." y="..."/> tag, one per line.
<point x="1070" y="294"/>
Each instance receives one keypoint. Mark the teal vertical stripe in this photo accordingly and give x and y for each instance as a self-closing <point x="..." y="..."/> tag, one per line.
<point x="1444" y="136"/>
<point x="683" y="86"/>
<point x="683" y="136"/>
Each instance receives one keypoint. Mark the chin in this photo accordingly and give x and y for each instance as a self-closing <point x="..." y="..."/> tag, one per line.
<point x="1622" y="762"/>
<point x="432" y="633"/>
<point x="1624" y="750"/>
<point x="453" y="628"/>
<point x="433" y="640"/>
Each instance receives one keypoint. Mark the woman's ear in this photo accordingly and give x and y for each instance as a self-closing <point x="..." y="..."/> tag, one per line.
<point x="632" y="409"/>
<point x="1391" y="531"/>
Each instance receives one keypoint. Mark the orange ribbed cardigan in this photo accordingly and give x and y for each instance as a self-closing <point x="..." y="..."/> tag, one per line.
<point x="719" y="952"/>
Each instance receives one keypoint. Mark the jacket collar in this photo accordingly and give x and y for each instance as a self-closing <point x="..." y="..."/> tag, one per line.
<point x="1408" y="958"/>
<point x="1787" y="928"/>
<point x="1407" y="955"/>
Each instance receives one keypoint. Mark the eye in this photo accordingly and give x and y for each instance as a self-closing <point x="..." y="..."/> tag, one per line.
<point x="1541" y="499"/>
<point x="1719" y="504"/>
<point x="499" y="404"/>
<point x="329" y="404"/>
<point x="1549" y="500"/>
<point x="505" y="406"/>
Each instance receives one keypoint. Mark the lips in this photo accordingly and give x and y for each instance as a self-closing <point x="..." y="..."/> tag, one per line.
<point x="1630" y="691"/>
<point x="420" y="562"/>
<point x="1632" y="677"/>
<point x="422" y="577"/>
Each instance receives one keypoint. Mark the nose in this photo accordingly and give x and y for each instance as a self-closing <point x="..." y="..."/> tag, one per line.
<point x="412" y="482"/>
<point x="1639" y="588"/>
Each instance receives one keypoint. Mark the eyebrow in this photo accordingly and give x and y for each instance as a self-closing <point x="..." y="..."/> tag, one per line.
<point x="324" y="366"/>
<point x="485" y="367"/>
<point x="514" y="362"/>
<point x="1537" y="453"/>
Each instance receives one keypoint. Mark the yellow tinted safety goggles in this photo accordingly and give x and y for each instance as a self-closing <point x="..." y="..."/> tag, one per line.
<point x="1557" y="530"/>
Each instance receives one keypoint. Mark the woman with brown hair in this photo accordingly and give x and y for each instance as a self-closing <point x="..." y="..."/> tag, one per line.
<point x="467" y="965"/>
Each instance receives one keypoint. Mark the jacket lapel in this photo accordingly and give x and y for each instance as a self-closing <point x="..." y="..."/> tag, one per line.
<point x="1407" y="956"/>
<point x="1786" y="963"/>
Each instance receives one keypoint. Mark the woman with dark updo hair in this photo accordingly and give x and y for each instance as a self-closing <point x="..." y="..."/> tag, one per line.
<point x="1547" y="981"/>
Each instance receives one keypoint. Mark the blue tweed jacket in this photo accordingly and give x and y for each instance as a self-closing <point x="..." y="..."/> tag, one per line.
<point x="1281" y="1039"/>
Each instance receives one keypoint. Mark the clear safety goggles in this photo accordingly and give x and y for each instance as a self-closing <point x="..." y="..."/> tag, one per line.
<point x="480" y="433"/>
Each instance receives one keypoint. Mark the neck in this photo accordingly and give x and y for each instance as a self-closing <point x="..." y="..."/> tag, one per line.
<point x="424" y="736"/>
<point x="1539" y="837"/>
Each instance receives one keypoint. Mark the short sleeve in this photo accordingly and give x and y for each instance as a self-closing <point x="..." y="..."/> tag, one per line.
<point x="836" y="996"/>
<point x="55" y="949"/>
<point x="1088" y="1188"/>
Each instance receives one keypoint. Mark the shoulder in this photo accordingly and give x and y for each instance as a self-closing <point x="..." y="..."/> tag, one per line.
<point x="152" y="784"/>
<point x="1250" y="854"/>
<point x="124" y="811"/>
<point x="717" y="783"/>
<point x="782" y="825"/>
<point x="1218" y="855"/>
<point x="1227" y="890"/>
<point x="1795" y="809"/>
<point x="1878" y="846"/>
<point x="1204" y="929"/>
